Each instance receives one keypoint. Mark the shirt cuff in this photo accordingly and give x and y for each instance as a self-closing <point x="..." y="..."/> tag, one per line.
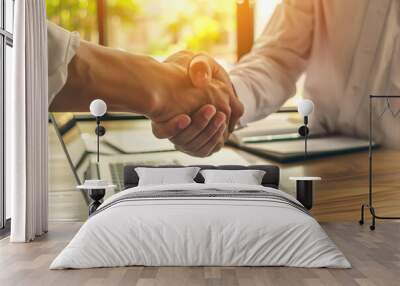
<point x="62" y="47"/>
<point x="245" y="96"/>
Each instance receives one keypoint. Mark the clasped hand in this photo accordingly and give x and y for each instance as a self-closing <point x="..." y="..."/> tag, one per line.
<point x="189" y="97"/>
<point x="198" y="108"/>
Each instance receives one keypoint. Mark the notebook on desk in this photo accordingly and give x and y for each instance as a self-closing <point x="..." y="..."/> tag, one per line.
<point x="274" y="124"/>
<point x="293" y="149"/>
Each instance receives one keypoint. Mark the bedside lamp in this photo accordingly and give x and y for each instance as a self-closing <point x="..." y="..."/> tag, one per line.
<point x="98" y="108"/>
<point x="304" y="185"/>
<point x="305" y="108"/>
<point x="96" y="188"/>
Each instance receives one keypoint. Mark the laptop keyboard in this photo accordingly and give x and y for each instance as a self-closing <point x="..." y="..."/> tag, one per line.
<point x="117" y="169"/>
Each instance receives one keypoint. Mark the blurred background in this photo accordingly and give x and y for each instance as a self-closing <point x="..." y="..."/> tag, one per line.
<point x="226" y="29"/>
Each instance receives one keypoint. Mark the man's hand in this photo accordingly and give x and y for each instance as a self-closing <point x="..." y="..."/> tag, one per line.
<point x="209" y="126"/>
<point x="189" y="99"/>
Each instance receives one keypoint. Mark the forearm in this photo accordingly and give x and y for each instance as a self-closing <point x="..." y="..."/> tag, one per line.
<point x="128" y="83"/>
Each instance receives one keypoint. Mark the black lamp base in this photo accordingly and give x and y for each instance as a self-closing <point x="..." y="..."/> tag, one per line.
<point x="304" y="193"/>
<point x="96" y="195"/>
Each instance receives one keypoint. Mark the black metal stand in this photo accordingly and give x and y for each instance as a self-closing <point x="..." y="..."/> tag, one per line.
<point x="304" y="131"/>
<point x="100" y="131"/>
<point x="96" y="195"/>
<point x="304" y="193"/>
<point x="370" y="191"/>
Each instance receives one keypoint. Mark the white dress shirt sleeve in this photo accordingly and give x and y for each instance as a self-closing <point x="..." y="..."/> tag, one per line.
<point x="266" y="77"/>
<point x="62" y="46"/>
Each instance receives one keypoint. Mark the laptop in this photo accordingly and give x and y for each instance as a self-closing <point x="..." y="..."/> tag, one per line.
<point x="145" y="142"/>
<point x="110" y="168"/>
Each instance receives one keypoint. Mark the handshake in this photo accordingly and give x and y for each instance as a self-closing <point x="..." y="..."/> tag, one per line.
<point x="188" y="97"/>
<point x="193" y="104"/>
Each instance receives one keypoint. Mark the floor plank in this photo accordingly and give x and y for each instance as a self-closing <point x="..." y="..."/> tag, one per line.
<point x="375" y="257"/>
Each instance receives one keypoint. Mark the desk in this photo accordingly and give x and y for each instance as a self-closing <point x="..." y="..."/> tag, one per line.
<point x="338" y="197"/>
<point x="345" y="185"/>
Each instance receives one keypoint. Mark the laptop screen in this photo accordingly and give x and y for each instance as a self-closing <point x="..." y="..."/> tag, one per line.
<point x="71" y="140"/>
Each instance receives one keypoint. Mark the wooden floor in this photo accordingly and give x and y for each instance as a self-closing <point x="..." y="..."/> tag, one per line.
<point x="375" y="257"/>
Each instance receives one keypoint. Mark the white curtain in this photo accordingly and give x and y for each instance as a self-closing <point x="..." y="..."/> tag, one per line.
<point x="26" y="124"/>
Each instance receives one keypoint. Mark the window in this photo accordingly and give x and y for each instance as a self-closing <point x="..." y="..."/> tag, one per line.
<point x="6" y="42"/>
<point x="75" y="15"/>
<point x="153" y="27"/>
<point x="162" y="27"/>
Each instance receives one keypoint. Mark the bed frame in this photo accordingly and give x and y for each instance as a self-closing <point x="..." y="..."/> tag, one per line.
<point x="270" y="179"/>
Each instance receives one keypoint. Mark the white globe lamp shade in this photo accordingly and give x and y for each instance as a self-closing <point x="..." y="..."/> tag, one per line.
<point x="98" y="108"/>
<point x="305" y="107"/>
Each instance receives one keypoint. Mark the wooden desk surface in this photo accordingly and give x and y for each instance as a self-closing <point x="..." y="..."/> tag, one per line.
<point x="338" y="197"/>
<point x="344" y="185"/>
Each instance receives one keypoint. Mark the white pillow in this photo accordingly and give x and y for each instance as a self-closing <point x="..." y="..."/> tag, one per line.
<point x="247" y="177"/>
<point x="165" y="176"/>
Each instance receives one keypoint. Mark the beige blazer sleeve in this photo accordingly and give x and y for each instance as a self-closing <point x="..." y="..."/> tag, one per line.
<point x="62" y="46"/>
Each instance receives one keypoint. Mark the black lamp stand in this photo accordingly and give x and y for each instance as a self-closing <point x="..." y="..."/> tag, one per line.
<point x="97" y="194"/>
<point x="304" y="131"/>
<point x="100" y="131"/>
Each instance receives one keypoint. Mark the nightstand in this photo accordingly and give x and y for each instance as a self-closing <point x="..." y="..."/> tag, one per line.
<point x="304" y="190"/>
<point x="96" y="190"/>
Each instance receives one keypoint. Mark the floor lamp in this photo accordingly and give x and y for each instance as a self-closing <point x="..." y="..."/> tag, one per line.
<point x="98" y="108"/>
<point x="96" y="188"/>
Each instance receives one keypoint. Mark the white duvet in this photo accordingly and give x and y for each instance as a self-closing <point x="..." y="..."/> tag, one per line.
<point x="200" y="231"/>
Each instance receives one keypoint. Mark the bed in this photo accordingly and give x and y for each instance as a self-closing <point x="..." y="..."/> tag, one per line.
<point x="198" y="224"/>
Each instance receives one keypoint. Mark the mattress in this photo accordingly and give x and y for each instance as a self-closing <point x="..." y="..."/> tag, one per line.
<point x="201" y="225"/>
